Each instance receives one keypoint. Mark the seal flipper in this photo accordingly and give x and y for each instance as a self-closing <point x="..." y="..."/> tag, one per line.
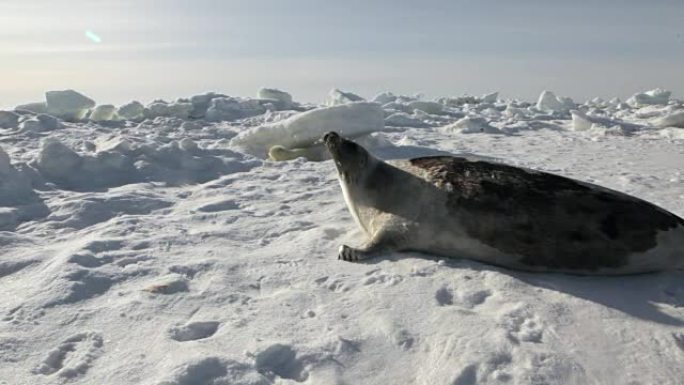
<point x="351" y="254"/>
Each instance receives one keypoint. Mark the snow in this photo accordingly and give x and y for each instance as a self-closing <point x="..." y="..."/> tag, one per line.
<point x="132" y="111"/>
<point x="384" y="98"/>
<point x="35" y="107"/>
<point x="68" y="104"/>
<point x="471" y="125"/>
<point x="653" y="97"/>
<point x="674" y="119"/>
<point x="301" y="130"/>
<point x="426" y="106"/>
<point x="549" y="102"/>
<point x="337" y="97"/>
<point x="402" y="119"/>
<point x="161" y="251"/>
<point x="9" y="119"/>
<point x="103" y="113"/>
<point x="228" y="108"/>
<point x="282" y="99"/>
<point x="489" y="98"/>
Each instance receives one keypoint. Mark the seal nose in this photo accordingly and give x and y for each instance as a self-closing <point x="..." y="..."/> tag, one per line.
<point x="331" y="137"/>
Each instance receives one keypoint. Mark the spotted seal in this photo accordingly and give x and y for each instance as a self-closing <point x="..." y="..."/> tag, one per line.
<point x="503" y="215"/>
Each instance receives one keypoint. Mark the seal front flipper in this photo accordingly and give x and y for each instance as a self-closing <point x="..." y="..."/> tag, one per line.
<point x="367" y="251"/>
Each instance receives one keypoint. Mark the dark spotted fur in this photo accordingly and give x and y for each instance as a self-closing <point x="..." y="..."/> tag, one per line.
<point x="550" y="220"/>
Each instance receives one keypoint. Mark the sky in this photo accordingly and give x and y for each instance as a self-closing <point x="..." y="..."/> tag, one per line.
<point x="120" y="50"/>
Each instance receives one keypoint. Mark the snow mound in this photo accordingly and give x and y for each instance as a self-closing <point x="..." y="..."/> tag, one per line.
<point x="653" y="97"/>
<point x="384" y="98"/>
<point x="15" y="187"/>
<point x="40" y="123"/>
<point x="200" y="104"/>
<point x="122" y="162"/>
<point x="228" y="108"/>
<point x="337" y="97"/>
<point x="433" y="108"/>
<point x="601" y="125"/>
<point x="472" y="125"/>
<point x="132" y="111"/>
<point x="549" y="102"/>
<point x="180" y="109"/>
<point x="9" y="119"/>
<point x="489" y="98"/>
<point x="18" y="201"/>
<point x="281" y="99"/>
<point x="402" y="119"/>
<point x="672" y="133"/>
<point x="305" y="128"/>
<point x="674" y="119"/>
<point x="68" y="105"/>
<point x="35" y="107"/>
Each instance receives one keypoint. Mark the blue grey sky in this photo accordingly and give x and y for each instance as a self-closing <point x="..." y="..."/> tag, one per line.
<point x="174" y="48"/>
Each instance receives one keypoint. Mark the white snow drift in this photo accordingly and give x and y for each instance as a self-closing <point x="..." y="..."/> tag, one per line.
<point x="301" y="130"/>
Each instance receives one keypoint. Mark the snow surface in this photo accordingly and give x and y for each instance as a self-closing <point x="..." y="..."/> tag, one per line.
<point x="159" y="250"/>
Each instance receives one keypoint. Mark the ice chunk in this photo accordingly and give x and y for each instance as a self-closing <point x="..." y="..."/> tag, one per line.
<point x="459" y="101"/>
<point x="200" y="104"/>
<point x="674" y="119"/>
<point x="489" y="98"/>
<point x="9" y="119"/>
<point x="282" y="99"/>
<point x="131" y="111"/>
<point x="40" y="123"/>
<point x="580" y="121"/>
<point x="673" y="133"/>
<point x="549" y="102"/>
<point x="36" y="107"/>
<point x="68" y="104"/>
<point x="402" y="119"/>
<point x="516" y="113"/>
<point x="103" y="113"/>
<point x="653" y="97"/>
<point x="433" y="108"/>
<point x="303" y="129"/>
<point x="180" y="110"/>
<point x="384" y="98"/>
<point x="49" y="122"/>
<point x="601" y="124"/>
<point x="470" y="125"/>
<point x="15" y="187"/>
<point x="227" y="108"/>
<point x="337" y="97"/>
<point x="157" y="108"/>
<point x="56" y="160"/>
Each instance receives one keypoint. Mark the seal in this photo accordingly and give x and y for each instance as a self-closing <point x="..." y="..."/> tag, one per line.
<point x="465" y="207"/>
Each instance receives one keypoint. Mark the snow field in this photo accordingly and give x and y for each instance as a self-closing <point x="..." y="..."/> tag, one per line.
<point x="167" y="250"/>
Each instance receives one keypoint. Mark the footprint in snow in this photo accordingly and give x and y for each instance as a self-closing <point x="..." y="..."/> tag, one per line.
<point x="466" y="298"/>
<point x="213" y="371"/>
<point x="280" y="360"/>
<point x="73" y="357"/>
<point x="193" y="331"/>
<point x="521" y="324"/>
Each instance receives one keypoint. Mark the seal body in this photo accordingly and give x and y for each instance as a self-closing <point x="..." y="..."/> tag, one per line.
<point x="514" y="217"/>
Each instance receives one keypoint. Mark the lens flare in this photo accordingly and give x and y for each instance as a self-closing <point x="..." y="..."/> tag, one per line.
<point x="93" y="36"/>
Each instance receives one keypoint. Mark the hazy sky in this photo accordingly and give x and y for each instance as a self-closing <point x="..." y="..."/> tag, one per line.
<point x="175" y="48"/>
